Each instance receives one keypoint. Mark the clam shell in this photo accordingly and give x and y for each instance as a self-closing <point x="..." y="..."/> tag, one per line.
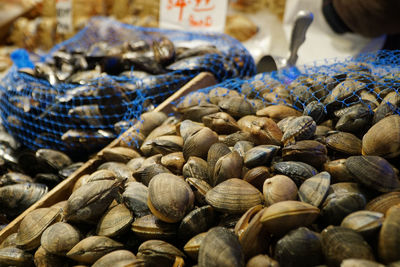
<point x="115" y="221"/>
<point x="150" y="227"/>
<point x="301" y="95"/>
<point x="232" y="139"/>
<point x="237" y="106"/>
<point x="278" y="112"/>
<point x="122" y="171"/>
<point x="90" y="249"/>
<point x="227" y="166"/>
<point x="174" y="162"/>
<point x="117" y="258"/>
<point x="387" y="107"/>
<point x="170" y="197"/>
<point x="135" y="163"/>
<point x="307" y="151"/>
<point x="364" y="222"/>
<point x="159" y="253"/>
<point x="11" y="256"/>
<point x="281" y="217"/>
<point x="192" y="99"/>
<point x="146" y="173"/>
<point x="200" y="189"/>
<point x="383" y="202"/>
<point x="221" y="123"/>
<point x="81" y="181"/>
<point x="42" y="258"/>
<point x="279" y="188"/>
<point x="242" y="147"/>
<point x="52" y="159"/>
<point x="339" y="243"/>
<point x="197" y="168"/>
<point x="164" y="145"/>
<point x="220" y="247"/>
<point x="197" y="221"/>
<point x="344" y="93"/>
<point x="16" y="198"/>
<point x="252" y="235"/>
<point x="322" y="130"/>
<point x="262" y="130"/>
<point x="347" y="187"/>
<point x="300" y="128"/>
<point x="90" y="200"/>
<point x="389" y="236"/>
<point x="134" y="140"/>
<point x="15" y="178"/>
<point x="119" y="154"/>
<point x="197" y="112"/>
<point x="261" y="261"/>
<point x="360" y="263"/>
<point x="149" y="120"/>
<point x="60" y="205"/>
<point x="135" y="198"/>
<point x="383" y="139"/>
<point x="257" y="176"/>
<point x="394" y="264"/>
<point x="164" y="129"/>
<point x="233" y="196"/>
<point x="101" y="175"/>
<point x="192" y="247"/>
<point x="155" y="159"/>
<point x="188" y="127"/>
<point x="338" y="205"/>
<point x="315" y="189"/>
<point x="33" y="225"/>
<point x="315" y="110"/>
<point x="299" y="247"/>
<point x="260" y="155"/>
<point x="219" y="93"/>
<point x="296" y="170"/>
<point x="374" y="172"/>
<point x="284" y="124"/>
<point x="198" y="143"/>
<point x="355" y="120"/>
<point x="215" y="152"/>
<point x="343" y="142"/>
<point x="338" y="171"/>
<point x="60" y="238"/>
<point x="9" y="241"/>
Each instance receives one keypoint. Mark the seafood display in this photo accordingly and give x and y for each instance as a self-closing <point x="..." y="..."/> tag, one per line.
<point x="235" y="179"/>
<point x="88" y="89"/>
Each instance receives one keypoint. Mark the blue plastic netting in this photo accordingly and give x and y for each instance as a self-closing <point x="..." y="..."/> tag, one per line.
<point x="80" y="112"/>
<point x="371" y="80"/>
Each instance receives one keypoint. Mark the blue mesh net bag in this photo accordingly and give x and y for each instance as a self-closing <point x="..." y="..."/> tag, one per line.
<point x="344" y="94"/>
<point x="107" y="73"/>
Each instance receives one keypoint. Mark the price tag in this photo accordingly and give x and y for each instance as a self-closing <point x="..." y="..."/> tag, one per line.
<point x="193" y="15"/>
<point x="64" y="16"/>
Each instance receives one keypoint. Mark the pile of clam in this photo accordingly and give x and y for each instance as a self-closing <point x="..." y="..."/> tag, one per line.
<point x="26" y="175"/>
<point x="232" y="181"/>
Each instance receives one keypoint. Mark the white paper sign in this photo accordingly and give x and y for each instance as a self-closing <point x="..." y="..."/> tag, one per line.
<point x="64" y="16"/>
<point x="193" y="15"/>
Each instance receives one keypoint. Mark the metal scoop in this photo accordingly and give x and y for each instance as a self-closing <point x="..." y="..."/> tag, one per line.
<point x="272" y="63"/>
